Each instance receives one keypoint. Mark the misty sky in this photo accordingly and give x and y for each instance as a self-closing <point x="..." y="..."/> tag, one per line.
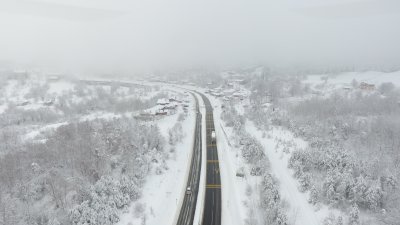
<point x="135" y="35"/>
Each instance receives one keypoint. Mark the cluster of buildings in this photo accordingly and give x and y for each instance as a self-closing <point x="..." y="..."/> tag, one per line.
<point x="44" y="102"/>
<point x="228" y="94"/>
<point x="25" y="74"/>
<point x="232" y="89"/>
<point x="164" y="106"/>
<point x="366" y="86"/>
<point x="362" y="86"/>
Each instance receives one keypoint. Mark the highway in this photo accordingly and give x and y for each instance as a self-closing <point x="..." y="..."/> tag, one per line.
<point x="188" y="207"/>
<point x="212" y="204"/>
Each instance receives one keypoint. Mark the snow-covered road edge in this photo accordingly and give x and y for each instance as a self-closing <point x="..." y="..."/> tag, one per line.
<point x="201" y="194"/>
<point x="188" y="165"/>
<point x="228" y="176"/>
<point x="162" y="193"/>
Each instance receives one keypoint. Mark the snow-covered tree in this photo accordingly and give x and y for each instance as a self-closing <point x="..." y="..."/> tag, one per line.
<point x="354" y="217"/>
<point x="314" y="196"/>
<point x="339" y="220"/>
<point x="305" y="182"/>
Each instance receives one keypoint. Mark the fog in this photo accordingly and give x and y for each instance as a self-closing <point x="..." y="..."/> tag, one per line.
<point x="131" y="35"/>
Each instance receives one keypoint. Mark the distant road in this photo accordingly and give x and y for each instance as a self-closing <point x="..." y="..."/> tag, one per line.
<point x="188" y="208"/>
<point x="212" y="205"/>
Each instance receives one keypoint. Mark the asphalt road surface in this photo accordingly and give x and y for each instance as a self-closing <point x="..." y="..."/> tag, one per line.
<point x="212" y="205"/>
<point x="188" y="208"/>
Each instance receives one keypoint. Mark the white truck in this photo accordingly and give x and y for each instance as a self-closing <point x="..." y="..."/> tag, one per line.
<point x="213" y="137"/>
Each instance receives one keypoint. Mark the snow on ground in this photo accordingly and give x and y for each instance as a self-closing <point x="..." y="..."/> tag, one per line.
<point x="300" y="211"/>
<point x="40" y="130"/>
<point x="36" y="130"/>
<point x="99" y="115"/>
<point x="32" y="106"/>
<point x="10" y="88"/>
<point x="14" y="91"/>
<point x="371" y="77"/>
<point x="3" y="108"/>
<point x="59" y="87"/>
<point x="162" y="193"/>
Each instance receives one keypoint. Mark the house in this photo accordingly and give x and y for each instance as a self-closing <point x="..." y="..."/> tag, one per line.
<point x="48" y="102"/>
<point x="347" y="88"/>
<point x="174" y="100"/>
<point x="226" y="99"/>
<point x="145" y="116"/>
<point x="217" y="94"/>
<point x="18" y="75"/>
<point x="162" y="101"/>
<point x="161" y="113"/>
<point x="239" y="95"/>
<point x="366" y="86"/>
<point x="24" y="103"/>
<point x="170" y="107"/>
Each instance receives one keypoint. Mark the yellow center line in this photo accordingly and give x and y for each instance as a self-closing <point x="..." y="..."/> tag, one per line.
<point x="213" y="186"/>
<point x="212" y="161"/>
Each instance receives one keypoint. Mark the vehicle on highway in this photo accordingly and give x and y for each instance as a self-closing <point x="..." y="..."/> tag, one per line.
<point x="188" y="190"/>
<point x="213" y="136"/>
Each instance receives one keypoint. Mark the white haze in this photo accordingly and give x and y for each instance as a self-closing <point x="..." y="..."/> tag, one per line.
<point x="137" y="35"/>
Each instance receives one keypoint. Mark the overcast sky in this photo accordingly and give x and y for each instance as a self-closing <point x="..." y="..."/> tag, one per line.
<point x="134" y="35"/>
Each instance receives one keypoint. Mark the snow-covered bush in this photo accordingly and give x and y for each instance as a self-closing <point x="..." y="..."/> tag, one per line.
<point x="271" y="202"/>
<point x="314" y="195"/>
<point x="182" y="117"/>
<point x="354" y="217"/>
<point x="91" y="169"/>
<point x="253" y="153"/>
<point x="232" y="118"/>
<point x="107" y="196"/>
<point x="175" y="134"/>
<point x="352" y="136"/>
<point x="305" y="181"/>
